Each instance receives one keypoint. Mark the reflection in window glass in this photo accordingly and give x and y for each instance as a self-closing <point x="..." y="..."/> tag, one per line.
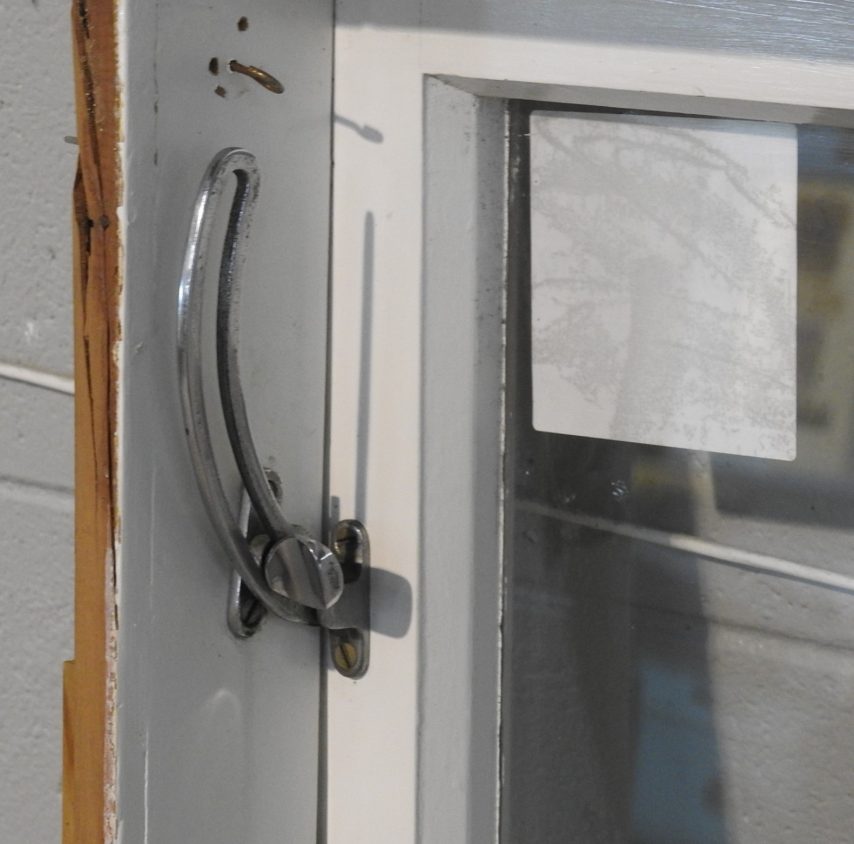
<point x="652" y="694"/>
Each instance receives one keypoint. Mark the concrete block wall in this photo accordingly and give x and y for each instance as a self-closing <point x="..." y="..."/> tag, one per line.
<point x="36" y="423"/>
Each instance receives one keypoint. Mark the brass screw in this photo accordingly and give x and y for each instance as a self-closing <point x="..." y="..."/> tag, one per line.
<point x="345" y="656"/>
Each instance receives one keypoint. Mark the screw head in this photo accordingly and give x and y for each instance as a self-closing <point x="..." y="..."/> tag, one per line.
<point x="345" y="656"/>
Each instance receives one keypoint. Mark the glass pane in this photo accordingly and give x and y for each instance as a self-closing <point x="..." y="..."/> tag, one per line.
<point x="663" y="681"/>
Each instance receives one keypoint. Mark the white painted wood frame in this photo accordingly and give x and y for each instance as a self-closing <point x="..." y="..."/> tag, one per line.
<point x="417" y="348"/>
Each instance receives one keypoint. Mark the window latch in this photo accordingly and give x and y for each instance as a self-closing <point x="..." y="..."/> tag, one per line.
<point x="279" y="568"/>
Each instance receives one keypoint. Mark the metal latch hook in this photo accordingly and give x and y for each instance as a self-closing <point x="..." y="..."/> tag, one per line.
<point x="298" y="577"/>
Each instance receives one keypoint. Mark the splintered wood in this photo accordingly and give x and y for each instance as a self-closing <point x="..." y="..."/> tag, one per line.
<point x="88" y="680"/>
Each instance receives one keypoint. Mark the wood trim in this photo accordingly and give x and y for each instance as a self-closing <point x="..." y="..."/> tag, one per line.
<point x="89" y="680"/>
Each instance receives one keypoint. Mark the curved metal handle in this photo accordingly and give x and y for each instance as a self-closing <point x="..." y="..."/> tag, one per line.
<point x="296" y="574"/>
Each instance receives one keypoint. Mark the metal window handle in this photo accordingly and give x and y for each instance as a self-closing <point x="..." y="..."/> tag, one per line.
<point x="297" y="575"/>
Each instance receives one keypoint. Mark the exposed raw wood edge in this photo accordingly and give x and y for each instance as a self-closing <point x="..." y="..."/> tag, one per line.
<point x="89" y="680"/>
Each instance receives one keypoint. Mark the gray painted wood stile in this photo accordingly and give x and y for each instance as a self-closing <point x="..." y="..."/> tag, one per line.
<point x="218" y="739"/>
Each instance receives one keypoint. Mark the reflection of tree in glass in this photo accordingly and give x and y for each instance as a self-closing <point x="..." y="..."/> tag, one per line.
<point x="641" y="214"/>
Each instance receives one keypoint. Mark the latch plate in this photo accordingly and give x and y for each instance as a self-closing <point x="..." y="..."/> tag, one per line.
<point x="348" y="620"/>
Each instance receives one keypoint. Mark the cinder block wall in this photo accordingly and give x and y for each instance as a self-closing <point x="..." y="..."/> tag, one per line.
<point x="36" y="505"/>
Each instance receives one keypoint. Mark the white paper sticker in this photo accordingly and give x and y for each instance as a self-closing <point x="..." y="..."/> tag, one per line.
<point x="663" y="276"/>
